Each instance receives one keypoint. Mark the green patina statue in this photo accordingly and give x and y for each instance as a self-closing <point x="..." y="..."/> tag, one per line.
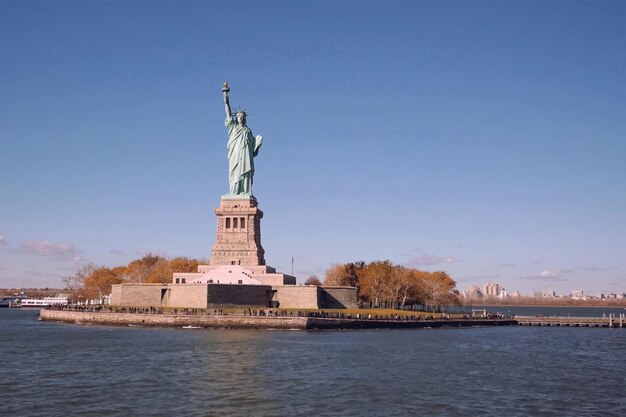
<point x="242" y="148"/>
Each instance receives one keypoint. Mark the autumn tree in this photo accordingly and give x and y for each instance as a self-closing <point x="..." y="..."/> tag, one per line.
<point x="184" y="264"/>
<point x="160" y="273"/>
<point x="384" y="284"/>
<point x="374" y="277"/>
<point x="75" y="283"/>
<point x="313" y="280"/>
<point x="439" y="289"/>
<point x="355" y="272"/>
<point x="94" y="282"/>
<point x="399" y="286"/>
<point x="99" y="282"/>
<point x="140" y="270"/>
<point x="337" y="275"/>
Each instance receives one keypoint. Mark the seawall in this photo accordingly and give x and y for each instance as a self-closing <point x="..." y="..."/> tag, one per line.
<point x="174" y="320"/>
<point x="251" y="322"/>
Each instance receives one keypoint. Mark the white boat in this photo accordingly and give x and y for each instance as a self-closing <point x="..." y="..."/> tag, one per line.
<point x="43" y="302"/>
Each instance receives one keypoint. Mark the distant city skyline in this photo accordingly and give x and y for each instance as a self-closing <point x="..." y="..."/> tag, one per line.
<point x="485" y="139"/>
<point x="494" y="290"/>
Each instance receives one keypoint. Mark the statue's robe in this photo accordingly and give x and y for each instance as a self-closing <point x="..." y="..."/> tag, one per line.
<point x="242" y="148"/>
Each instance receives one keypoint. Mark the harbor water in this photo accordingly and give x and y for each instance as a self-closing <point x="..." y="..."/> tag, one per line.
<point x="55" y="369"/>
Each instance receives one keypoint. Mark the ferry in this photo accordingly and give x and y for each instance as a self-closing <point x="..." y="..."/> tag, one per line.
<point x="6" y="301"/>
<point x="43" y="302"/>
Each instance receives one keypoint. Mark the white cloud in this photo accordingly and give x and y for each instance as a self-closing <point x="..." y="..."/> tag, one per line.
<point x="545" y="275"/>
<point x="429" y="259"/>
<point x="58" y="251"/>
<point x="3" y="241"/>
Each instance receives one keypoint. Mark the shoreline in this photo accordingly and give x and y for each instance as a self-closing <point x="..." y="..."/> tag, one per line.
<point x="255" y="322"/>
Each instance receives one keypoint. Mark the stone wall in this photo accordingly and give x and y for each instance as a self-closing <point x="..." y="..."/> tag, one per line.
<point x="190" y="295"/>
<point x="301" y="296"/>
<point x="169" y="320"/>
<point x="231" y="295"/>
<point x="116" y="294"/>
<point x="337" y="297"/>
<point x="186" y="296"/>
<point x="137" y="295"/>
<point x="253" y="322"/>
<point x="227" y="295"/>
<point x="275" y="279"/>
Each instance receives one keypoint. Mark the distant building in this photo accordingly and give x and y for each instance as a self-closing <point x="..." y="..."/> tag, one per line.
<point x="473" y="293"/>
<point x="491" y="290"/>
<point x="578" y="295"/>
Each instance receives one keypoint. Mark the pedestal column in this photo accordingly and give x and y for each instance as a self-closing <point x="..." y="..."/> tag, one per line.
<point x="238" y="235"/>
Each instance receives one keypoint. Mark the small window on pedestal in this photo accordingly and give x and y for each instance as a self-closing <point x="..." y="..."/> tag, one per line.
<point x="228" y="222"/>
<point x="242" y="222"/>
<point x="234" y="223"/>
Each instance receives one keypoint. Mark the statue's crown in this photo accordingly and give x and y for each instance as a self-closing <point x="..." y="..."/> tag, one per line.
<point x="240" y="110"/>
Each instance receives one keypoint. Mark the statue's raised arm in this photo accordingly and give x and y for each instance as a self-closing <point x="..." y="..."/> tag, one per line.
<point x="226" y="90"/>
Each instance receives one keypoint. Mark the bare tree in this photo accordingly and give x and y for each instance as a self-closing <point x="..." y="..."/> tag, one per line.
<point x="73" y="283"/>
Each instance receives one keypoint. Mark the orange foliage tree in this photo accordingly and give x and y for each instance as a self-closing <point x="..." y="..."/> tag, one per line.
<point x="99" y="282"/>
<point x="313" y="280"/>
<point x="383" y="284"/>
<point x="91" y="282"/>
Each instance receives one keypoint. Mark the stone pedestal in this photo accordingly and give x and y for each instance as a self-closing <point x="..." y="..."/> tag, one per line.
<point x="238" y="236"/>
<point x="237" y="257"/>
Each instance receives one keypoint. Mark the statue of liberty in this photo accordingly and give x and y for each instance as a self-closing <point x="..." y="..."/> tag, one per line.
<point x="242" y="148"/>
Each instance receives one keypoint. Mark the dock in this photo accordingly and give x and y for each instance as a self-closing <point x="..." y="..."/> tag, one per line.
<point x="611" y="321"/>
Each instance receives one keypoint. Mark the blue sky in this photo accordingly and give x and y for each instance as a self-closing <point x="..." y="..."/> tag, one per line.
<point x="485" y="139"/>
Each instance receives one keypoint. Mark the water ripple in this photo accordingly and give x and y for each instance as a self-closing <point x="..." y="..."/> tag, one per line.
<point x="53" y="369"/>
